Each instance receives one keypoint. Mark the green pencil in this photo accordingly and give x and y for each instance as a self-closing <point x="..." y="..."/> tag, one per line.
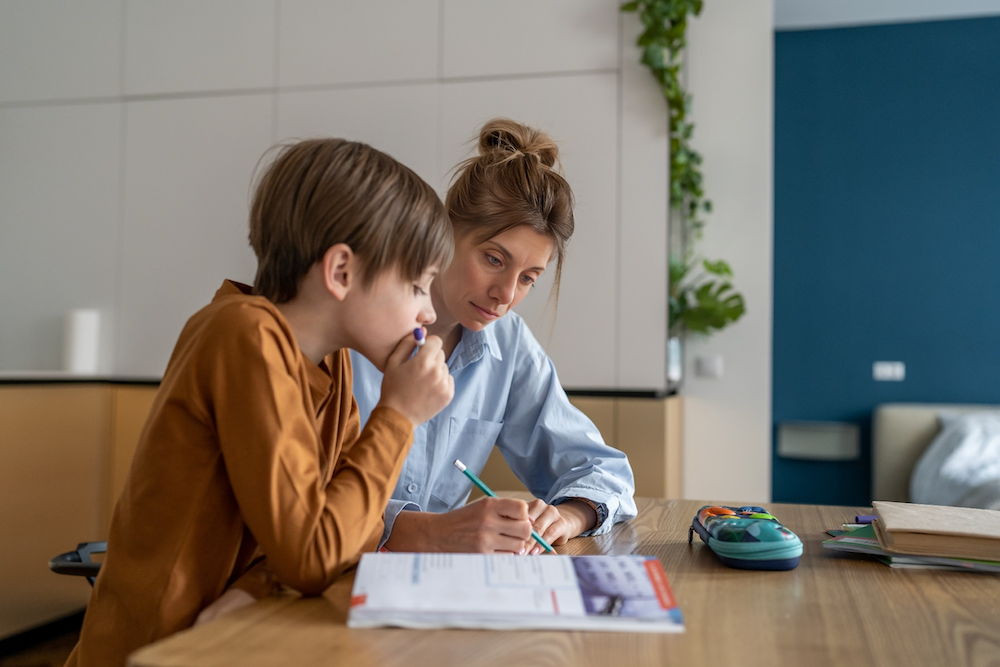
<point x="488" y="491"/>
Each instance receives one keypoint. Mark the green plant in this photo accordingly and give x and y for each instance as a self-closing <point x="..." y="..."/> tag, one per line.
<point x="698" y="303"/>
<point x="702" y="302"/>
<point x="662" y="43"/>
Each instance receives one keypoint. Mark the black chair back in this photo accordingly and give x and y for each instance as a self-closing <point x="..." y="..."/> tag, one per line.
<point x="78" y="562"/>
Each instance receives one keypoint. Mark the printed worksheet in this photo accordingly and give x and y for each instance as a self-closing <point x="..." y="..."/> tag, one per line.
<point x="508" y="591"/>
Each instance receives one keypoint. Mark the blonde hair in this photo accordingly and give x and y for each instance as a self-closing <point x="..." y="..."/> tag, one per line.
<point x="321" y="192"/>
<point x="513" y="181"/>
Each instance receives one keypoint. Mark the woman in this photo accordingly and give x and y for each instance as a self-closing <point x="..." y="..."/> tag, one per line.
<point x="512" y="213"/>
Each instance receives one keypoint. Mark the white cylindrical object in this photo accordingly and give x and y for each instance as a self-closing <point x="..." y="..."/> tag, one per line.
<point x="82" y="341"/>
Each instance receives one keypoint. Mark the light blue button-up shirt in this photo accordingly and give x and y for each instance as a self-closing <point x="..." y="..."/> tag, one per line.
<point x="507" y="393"/>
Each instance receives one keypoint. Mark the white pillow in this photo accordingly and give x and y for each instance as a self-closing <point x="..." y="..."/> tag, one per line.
<point x="961" y="467"/>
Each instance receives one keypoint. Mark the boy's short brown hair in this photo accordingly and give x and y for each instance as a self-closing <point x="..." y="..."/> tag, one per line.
<point x="320" y="192"/>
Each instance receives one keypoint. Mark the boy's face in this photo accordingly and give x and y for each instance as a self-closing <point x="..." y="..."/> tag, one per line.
<point x="486" y="280"/>
<point x="386" y="311"/>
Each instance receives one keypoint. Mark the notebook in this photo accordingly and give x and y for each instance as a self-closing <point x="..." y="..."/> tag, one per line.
<point x="938" y="530"/>
<point x="508" y="592"/>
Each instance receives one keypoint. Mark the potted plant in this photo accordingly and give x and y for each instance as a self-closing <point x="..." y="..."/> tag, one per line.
<point x="702" y="299"/>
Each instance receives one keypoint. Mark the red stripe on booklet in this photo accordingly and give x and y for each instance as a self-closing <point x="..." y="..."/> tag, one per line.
<point x="358" y="600"/>
<point x="660" y="584"/>
<point x="555" y="602"/>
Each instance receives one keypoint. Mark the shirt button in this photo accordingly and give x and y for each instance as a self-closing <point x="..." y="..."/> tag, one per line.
<point x="412" y="488"/>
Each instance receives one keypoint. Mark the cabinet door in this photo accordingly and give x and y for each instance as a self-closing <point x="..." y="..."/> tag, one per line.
<point x="52" y="471"/>
<point x="648" y="430"/>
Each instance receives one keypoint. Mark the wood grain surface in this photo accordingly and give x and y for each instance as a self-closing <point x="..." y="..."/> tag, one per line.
<point x="834" y="609"/>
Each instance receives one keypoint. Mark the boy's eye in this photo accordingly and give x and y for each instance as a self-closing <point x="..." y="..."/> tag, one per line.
<point x="419" y="291"/>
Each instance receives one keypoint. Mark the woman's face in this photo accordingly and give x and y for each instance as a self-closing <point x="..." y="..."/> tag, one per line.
<point x="485" y="280"/>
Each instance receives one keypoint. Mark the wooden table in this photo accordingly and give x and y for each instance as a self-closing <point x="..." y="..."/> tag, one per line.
<point x="834" y="609"/>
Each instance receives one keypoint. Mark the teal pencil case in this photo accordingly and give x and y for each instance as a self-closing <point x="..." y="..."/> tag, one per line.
<point x="748" y="538"/>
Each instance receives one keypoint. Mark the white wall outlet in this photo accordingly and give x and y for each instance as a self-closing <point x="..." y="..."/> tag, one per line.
<point x="708" y="367"/>
<point x="889" y="371"/>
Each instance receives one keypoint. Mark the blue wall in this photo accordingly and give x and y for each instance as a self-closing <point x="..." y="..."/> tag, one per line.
<point x="886" y="229"/>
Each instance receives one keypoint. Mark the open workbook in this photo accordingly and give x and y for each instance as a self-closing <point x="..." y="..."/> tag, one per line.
<point x="507" y="592"/>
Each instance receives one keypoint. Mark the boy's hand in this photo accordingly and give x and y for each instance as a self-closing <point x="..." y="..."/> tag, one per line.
<point x="420" y="386"/>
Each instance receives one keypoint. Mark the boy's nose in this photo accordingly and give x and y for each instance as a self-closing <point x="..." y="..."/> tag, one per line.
<point x="427" y="315"/>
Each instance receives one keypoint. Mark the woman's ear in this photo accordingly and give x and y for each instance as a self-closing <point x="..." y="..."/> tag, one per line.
<point x="339" y="269"/>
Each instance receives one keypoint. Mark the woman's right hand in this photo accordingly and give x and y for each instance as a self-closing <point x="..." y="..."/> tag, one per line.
<point x="418" y="386"/>
<point x="487" y="525"/>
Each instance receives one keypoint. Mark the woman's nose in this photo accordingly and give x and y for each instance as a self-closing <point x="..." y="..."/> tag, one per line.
<point x="503" y="290"/>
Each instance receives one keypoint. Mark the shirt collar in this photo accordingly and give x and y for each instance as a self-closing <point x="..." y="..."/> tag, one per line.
<point x="474" y="346"/>
<point x="233" y="288"/>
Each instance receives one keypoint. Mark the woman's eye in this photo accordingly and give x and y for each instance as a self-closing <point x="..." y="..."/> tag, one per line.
<point x="528" y="280"/>
<point x="495" y="261"/>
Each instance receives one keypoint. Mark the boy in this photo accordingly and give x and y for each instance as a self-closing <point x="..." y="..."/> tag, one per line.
<point x="251" y="469"/>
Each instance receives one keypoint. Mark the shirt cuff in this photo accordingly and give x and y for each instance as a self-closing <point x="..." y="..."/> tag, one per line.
<point x="392" y="511"/>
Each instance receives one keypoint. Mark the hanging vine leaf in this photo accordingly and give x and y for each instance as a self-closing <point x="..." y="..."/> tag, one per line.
<point x="697" y="303"/>
<point x="662" y="43"/>
<point x="700" y="302"/>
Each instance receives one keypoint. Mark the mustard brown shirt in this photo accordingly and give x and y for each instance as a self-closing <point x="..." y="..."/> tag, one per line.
<point x="250" y="451"/>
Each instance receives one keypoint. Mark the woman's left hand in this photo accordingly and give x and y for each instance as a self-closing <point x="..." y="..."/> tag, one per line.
<point x="231" y="600"/>
<point x="557" y="524"/>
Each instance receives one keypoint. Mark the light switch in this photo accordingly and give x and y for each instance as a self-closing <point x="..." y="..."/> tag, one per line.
<point x="889" y="371"/>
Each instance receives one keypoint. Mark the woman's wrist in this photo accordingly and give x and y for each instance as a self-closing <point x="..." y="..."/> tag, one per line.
<point x="580" y="514"/>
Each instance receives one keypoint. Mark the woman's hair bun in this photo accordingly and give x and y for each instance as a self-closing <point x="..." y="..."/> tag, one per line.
<point x="506" y="139"/>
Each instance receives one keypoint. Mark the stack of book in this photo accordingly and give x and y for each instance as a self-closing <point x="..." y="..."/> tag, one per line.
<point x="927" y="536"/>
